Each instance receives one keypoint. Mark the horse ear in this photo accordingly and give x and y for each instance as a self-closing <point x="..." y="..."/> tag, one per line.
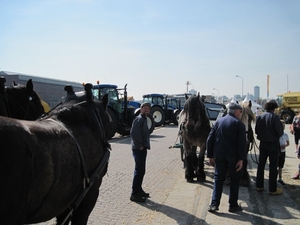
<point x="250" y="104"/>
<point x="105" y="100"/>
<point x="29" y="86"/>
<point x="186" y="97"/>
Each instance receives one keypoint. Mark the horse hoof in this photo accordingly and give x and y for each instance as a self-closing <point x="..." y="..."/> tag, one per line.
<point x="201" y="179"/>
<point x="190" y="180"/>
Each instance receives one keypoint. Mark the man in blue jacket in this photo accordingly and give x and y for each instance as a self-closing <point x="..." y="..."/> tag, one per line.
<point x="226" y="150"/>
<point x="268" y="129"/>
<point x="140" y="142"/>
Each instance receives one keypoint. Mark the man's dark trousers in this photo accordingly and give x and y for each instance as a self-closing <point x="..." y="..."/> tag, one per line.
<point x="221" y="168"/>
<point x="271" y="150"/>
<point x="139" y="170"/>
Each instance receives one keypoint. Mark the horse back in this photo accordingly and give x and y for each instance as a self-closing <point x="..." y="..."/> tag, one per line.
<point x="41" y="167"/>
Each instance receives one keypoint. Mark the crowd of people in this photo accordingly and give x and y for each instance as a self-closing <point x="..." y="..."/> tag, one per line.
<point x="226" y="150"/>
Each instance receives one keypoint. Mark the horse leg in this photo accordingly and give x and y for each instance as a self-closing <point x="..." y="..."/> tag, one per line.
<point x="245" y="179"/>
<point x="201" y="177"/>
<point x="190" y="161"/>
<point x="81" y="213"/>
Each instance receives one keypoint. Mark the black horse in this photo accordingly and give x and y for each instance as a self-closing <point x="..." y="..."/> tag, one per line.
<point x="19" y="101"/>
<point x="54" y="167"/>
<point x="194" y="127"/>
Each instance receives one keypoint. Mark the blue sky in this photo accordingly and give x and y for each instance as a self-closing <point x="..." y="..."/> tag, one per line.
<point x="156" y="46"/>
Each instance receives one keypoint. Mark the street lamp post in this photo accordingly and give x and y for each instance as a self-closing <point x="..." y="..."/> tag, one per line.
<point x="242" y="84"/>
<point x="218" y="94"/>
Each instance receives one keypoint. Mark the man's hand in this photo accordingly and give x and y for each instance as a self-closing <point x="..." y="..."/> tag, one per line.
<point x="239" y="165"/>
<point x="212" y="162"/>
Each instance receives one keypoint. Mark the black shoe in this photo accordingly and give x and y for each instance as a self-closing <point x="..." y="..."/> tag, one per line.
<point x="281" y="181"/>
<point x="212" y="208"/>
<point x="143" y="194"/>
<point x="137" y="198"/>
<point x="235" y="209"/>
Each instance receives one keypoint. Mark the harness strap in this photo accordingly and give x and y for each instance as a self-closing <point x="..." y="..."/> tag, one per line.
<point x="94" y="176"/>
<point x="86" y="181"/>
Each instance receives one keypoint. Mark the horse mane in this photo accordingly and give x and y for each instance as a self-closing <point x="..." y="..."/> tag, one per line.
<point x="194" y="117"/>
<point x="247" y="114"/>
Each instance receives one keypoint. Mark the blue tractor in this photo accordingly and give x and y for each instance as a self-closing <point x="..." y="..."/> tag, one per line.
<point x="161" y="110"/>
<point x="120" y="109"/>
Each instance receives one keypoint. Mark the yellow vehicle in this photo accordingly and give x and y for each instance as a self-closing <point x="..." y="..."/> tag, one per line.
<point x="288" y="105"/>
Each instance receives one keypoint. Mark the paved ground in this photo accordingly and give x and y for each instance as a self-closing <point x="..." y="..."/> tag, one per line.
<point x="174" y="201"/>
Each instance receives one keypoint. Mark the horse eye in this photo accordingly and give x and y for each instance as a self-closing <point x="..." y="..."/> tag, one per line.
<point x="30" y="98"/>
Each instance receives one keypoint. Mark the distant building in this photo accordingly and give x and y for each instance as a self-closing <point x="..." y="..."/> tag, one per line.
<point x="50" y="90"/>
<point x="256" y="93"/>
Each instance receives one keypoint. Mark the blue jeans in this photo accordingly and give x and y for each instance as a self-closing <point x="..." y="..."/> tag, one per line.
<point x="271" y="150"/>
<point x="221" y="168"/>
<point x="139" y="170"/>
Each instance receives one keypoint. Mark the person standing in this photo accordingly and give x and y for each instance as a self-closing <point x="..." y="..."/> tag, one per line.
<point x="268" y="129"/>
<point x="284" y="142"/>
<point x="140" y="142"/>
<point x="295" y="130"/>
<point x="297" y="175"/>
<point x="226" y="150"/>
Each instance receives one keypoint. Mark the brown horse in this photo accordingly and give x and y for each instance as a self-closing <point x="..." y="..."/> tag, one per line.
<point x="53" y="167"/>
<point x="194" y="127"/>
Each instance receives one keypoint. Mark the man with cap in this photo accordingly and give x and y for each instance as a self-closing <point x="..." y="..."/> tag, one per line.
<point x="140" y="142"/>
<point x="226" y="150"/>
<point x="268" y="129"/>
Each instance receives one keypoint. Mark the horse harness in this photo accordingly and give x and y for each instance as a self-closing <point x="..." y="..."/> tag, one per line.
<point x="87" y="181"/>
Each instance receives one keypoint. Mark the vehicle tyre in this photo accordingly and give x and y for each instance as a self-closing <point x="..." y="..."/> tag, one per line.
<point x="158" y="115"/>
<point x="287" y="116"/>
<point x="176" y="117"/>
<point x="114" y="122"/>
<point x="150" y="123"/>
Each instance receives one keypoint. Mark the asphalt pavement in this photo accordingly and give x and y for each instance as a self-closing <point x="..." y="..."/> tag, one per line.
<point x="174" y="201"/>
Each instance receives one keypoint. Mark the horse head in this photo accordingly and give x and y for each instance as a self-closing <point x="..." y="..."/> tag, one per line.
<point x="193" y="118"/>
<point x="24" y="102"/>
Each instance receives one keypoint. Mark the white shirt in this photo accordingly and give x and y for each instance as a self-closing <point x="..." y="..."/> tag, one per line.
<point x="283" y="139"/>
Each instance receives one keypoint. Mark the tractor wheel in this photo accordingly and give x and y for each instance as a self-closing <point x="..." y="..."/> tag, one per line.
<point x="176" y="117"/>
<point x="158" y="116"/>
<point x="150" y="123"/>
<point x="287" y="116"/>
<point x="114" y="122"/>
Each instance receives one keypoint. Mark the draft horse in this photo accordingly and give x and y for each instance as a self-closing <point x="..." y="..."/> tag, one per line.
<point x="20" y="101"/>
<point x="247" y="117"/>
<point x="53" y="167"/>
<point x="194" y="128"/>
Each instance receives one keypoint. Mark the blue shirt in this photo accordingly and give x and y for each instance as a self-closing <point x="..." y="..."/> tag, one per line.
<point x="227" y="138"/>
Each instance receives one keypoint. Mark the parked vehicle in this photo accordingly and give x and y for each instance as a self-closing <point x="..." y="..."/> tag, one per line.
<point x="121" y="111"/>
<point x="288" y="104"/>
<point x="161" y="110"/>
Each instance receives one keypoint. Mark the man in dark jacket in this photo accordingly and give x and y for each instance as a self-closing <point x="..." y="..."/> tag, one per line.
<point x="140" y="142"/>
<point x="226" y="150"/>
<point x="268" y="129"/>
